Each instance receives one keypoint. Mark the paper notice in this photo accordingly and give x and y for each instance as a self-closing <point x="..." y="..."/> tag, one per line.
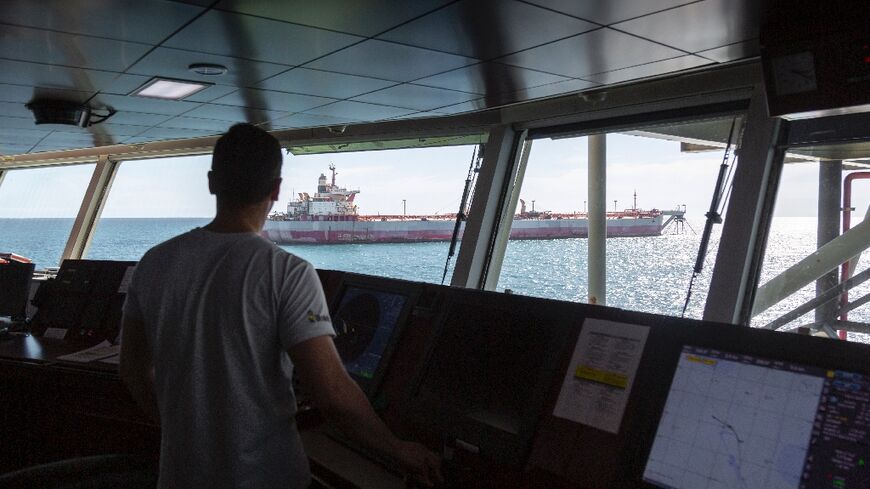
<point x="55" y="333"/>
<point x="98" y="352"/>
<point x="602" y="370"/>
<point x="125" y="281"/>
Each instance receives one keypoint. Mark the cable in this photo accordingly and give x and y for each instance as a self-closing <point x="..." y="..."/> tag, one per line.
<point x="714" y="215"/>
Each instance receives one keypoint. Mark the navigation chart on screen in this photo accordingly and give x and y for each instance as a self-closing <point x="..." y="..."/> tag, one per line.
<point x="734" y="421"/>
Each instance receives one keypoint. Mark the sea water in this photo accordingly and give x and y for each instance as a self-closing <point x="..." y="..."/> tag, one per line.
<point x="650" y="274"/>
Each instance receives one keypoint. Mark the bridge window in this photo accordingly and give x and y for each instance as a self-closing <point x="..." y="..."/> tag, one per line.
<point x="38" y="207"/>
<point x="659" y="182"/>
<point x="151" y="201"/>
<point x="820" y="225"/>
<point x="389" y="212"/>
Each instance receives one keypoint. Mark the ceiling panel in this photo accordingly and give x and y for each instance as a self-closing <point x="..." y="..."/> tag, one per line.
<point x="124" y="84"/>
<point x="650" y="69"/>
<point x="12" y="149"/>
<point x="510" y="26"/>
<point x="174" y="63"/>
<point x="489" y="78"/>
<point x="360" y="17"/>
<point x="146" y="21"/>
<point x="359" y="111"/>
<point x="15" y="109"/>
<point x="59" y="77"/>
<point x="308" y="120"/>
<point x="23" y="94"/>
<point x="107" y="128"/>
<point x="138" y="118"/>
<point x="389" y="61"/>
<point x="323" y="83"/>
<point x="700" y="26"/>
<point x="732" y="52"/>
<point x="19" y="123"/>
<point x="244" y="36"/>
<point x="542" y="91"/>
<point x="280" y="101"/>
<point x="183" y="122"/>
<point x="593" y="52"/>
<point x="49" y="47"/>
<point x="609" y="11"/>
<point x="416" y="97"/>
<point x="142" y="104"/>
<point x="21" y="137"/>
<point x="234" y="114"/>
<point x="156" y="133"/>
<point x="463" y="107"/>
<point x="68" y="139"/>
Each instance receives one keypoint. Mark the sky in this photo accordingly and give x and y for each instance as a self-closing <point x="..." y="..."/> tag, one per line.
<point x="430" y="180"/>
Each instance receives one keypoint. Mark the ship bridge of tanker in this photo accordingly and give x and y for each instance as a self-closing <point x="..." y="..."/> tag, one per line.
<point x="448" y="114"/>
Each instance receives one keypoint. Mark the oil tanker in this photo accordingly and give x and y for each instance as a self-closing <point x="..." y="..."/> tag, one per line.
<point x="330" y="216"/>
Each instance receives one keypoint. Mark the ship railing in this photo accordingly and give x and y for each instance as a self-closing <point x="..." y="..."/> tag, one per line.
<point x="408" y="217"/>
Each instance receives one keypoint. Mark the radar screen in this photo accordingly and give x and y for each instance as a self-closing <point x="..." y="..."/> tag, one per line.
<point x="365" y="323"/>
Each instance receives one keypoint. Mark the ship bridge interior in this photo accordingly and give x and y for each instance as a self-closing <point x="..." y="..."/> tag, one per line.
<point x="772" y="97"/>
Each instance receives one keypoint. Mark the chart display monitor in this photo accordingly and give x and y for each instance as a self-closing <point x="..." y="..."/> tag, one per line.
<point x="367" y="323"/>
<point x="740" y="421"/>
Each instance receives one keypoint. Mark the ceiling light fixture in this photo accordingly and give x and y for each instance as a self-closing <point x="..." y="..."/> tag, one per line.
<point x="169" y="89"/>
<point x="207" y="69"/>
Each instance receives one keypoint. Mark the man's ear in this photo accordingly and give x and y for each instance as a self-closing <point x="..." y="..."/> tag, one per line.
<point x="276" y="190"/>
<point x="211" y="184"/>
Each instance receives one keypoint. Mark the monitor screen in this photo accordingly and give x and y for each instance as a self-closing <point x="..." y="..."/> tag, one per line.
<point x="740" y="421"/>
<point x="365" y="323"/>
<point x="15" y="284"/>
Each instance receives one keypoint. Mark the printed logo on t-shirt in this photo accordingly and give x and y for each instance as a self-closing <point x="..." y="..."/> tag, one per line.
<point x="313" y="318"/>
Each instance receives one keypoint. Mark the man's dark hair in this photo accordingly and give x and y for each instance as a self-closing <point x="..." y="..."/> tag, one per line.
<point x="245" y="164"/>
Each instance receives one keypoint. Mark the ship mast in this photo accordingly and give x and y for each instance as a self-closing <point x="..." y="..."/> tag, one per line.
<point x="332" y="168"/>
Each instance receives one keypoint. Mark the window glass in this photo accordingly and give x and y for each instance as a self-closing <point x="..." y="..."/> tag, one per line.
<point x="37" y="209"/>
<point x="659" y="187"/>
<point x="397" y="225"/>
<point x="795" y="244"/>
<point x="150" y="202"/>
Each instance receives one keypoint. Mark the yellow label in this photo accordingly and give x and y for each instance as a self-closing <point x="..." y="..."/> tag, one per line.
<point x="705" y="361"/>
<point x="830" y="374"/>
<point x="602" y="376"/>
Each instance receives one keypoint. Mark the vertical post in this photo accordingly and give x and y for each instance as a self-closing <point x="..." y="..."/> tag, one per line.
<point x="747" y="219"/>
<point x="491" y="195"/>
<point x="507" y="220"/>
<point x="92" y="206"/>
<point x="597" y="219"/>
<point x="404" y="209"/>
<point x="830" y="190"/>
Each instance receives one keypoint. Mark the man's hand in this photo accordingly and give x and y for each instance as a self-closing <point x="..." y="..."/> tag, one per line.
<point x="342" y="402"/>
<point x="423" y="466"/>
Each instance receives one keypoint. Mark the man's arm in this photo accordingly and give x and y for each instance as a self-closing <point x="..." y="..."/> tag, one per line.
<point x="136" y="368"/>
<point x="342" y="402"/>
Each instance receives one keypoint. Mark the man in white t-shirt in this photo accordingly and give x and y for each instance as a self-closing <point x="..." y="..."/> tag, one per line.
<point x="214" y="323"/>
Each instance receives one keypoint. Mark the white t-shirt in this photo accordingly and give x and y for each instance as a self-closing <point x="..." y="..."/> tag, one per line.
<point x="220" y="311"/>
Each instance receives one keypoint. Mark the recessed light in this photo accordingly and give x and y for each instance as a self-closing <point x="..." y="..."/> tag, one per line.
<point x="207" y="69"/>
<point x="165" y="88"/>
